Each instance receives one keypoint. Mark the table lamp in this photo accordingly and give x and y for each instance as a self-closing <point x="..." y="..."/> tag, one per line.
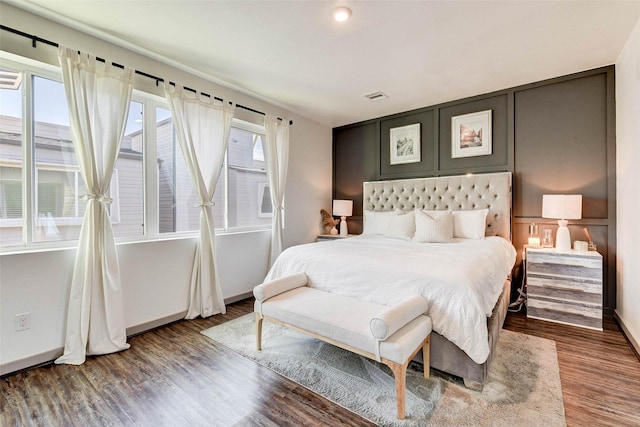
<point x="343" y="209"/>
<point x="562" y="207"/>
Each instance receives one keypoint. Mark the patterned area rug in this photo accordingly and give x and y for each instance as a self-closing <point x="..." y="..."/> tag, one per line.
<point x="523" y="388"/>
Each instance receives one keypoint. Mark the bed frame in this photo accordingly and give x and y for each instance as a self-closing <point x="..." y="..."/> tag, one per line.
<point x="464" y="192"/>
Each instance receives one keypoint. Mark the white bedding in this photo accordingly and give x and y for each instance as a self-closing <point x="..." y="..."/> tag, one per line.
<point x="462" y="280"/>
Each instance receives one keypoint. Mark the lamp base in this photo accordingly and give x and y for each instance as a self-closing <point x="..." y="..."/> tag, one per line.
<point x="563" y="237"/>
<point x="344" y="231"/>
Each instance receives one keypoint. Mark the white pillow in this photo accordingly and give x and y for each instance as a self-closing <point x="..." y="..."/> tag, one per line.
<point x="470" y="224"/>
<point x="433" y="226"/>
<point x="402" y="225"/>
<point x="376" y="222"/>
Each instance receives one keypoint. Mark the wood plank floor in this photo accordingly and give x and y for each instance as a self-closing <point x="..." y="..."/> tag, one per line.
<point x="599" y="371"/>
<point x="174" y="376"/>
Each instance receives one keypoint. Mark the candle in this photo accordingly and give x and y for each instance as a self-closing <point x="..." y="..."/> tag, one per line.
<point x="534" y="241"/>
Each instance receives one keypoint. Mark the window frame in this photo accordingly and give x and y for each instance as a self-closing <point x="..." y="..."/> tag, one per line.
<point x="29" y="221"/>
<point x="262" y="131"/>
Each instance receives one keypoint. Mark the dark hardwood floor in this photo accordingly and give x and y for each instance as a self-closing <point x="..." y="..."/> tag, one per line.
<point x="599" y="371"/>
<point x="174" y="376"/>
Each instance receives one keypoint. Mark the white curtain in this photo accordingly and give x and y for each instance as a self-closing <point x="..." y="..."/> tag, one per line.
<point x="202" y="126"/>
<point x="98" y="95"/>
<point x="277" y="157"/>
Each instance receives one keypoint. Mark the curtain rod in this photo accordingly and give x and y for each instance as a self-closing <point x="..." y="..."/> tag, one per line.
<point x="35" y="39"/>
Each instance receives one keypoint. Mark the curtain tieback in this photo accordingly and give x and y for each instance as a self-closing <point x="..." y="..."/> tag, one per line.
<point x="203" y="204"/>
<point x="97" y="197"/>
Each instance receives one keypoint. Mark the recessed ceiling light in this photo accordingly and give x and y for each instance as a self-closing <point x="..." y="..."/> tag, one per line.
<point x="341" y="13"/>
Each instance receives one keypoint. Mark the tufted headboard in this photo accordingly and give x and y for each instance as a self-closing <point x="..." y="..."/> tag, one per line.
<point x="460" y="192"/>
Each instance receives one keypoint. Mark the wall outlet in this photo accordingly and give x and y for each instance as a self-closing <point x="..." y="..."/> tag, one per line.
<point x="23" y="321"/>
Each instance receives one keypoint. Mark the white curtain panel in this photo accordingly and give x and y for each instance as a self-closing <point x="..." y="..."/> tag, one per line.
<point x="277" y="157"/>
<point x="202" y="125"/>
<point x="98" y="95"/>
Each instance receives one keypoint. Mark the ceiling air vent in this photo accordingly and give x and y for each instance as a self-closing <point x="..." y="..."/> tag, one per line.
<point x="376" y="96"/>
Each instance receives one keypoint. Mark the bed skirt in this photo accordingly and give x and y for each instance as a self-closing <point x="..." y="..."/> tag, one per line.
<point x="447" y="357"/>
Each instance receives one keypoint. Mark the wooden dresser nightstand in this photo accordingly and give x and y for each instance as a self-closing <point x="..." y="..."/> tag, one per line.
<point x="564" y="286"/>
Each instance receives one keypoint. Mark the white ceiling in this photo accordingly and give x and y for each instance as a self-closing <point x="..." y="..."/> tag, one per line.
<point x="419" y="53"/>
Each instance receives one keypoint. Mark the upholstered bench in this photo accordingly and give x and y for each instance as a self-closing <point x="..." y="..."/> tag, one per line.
<point x="392" y="335"/>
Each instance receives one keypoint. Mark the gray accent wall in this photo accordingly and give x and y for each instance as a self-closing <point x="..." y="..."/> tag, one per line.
<point x="556" y="137"/>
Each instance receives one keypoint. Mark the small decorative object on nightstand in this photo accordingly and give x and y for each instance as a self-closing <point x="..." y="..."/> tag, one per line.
<point x="564" y="286"/>
<point x="328" y="222"/>
<point x="547" y="239"/>
<point x="534" y="237"/>
<point x="590" y="245"/>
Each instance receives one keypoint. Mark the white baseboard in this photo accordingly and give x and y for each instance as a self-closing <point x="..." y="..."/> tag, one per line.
<point x="31" y="361"/>
<point x="147" y="326"/>
<point x="239" y="297"/>
<point x="51" y="355"/>
<point x="627" y="333"/>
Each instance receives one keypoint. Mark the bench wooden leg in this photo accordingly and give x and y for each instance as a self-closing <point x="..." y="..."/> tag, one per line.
<point x="258" y="332"/>
<point x="400" y="374"/>
<point x="426" y="356"/>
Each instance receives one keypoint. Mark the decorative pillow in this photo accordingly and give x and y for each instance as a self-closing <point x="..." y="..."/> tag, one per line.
<point x="376" y="222"/>
<point x="402" y="225"/>
<point x="433" y="226"/>
<point x="470" y="224"/>
<point x="389" y="321"/>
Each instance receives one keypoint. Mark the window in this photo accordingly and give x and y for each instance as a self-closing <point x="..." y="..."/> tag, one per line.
<point x="56" y="199"/>
<point x="11" y="197"/>
<point x="60" y="199"/>
<point x="178" y="202"/>
<point x="127" y="183"/>
<point x="239" y="186"/>
<point x="42" y="192"/>
<point x="58" y="208"/>
<point x="247" y="177"/>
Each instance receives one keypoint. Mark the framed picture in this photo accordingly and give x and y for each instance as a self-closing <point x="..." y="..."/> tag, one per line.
<point x="471" y="134"/>
<point x="405" y="144"/>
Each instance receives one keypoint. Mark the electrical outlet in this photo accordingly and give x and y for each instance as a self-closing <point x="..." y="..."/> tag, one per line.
<point x="23" y="321"/>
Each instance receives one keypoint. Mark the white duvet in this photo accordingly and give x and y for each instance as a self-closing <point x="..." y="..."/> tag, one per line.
<point x="462" y="280"/>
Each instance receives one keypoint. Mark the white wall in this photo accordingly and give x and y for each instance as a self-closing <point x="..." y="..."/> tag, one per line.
<point x="155" y="275"/>
<point x="628" y="185"/>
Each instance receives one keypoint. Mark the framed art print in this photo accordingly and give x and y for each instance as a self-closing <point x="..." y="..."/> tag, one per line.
<point x="405" y="144"/>
<point x="471" y="134"/>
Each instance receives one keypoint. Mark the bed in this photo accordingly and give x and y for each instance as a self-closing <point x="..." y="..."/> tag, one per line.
<point x="446" y="238"/>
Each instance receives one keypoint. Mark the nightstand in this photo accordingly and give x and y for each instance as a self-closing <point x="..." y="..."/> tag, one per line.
<point x="564" y="286"/>
<point x="327" y="237"/>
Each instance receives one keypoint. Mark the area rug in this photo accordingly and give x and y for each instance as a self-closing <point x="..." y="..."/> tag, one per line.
<point x="523" y="387"/>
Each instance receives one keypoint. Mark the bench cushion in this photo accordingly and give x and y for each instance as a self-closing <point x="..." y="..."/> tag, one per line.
<point x="339" y="318"/>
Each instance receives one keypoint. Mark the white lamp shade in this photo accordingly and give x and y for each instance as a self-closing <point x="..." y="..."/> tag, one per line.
<point x="562" y="206"/>
<point x="342" y="207"/>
